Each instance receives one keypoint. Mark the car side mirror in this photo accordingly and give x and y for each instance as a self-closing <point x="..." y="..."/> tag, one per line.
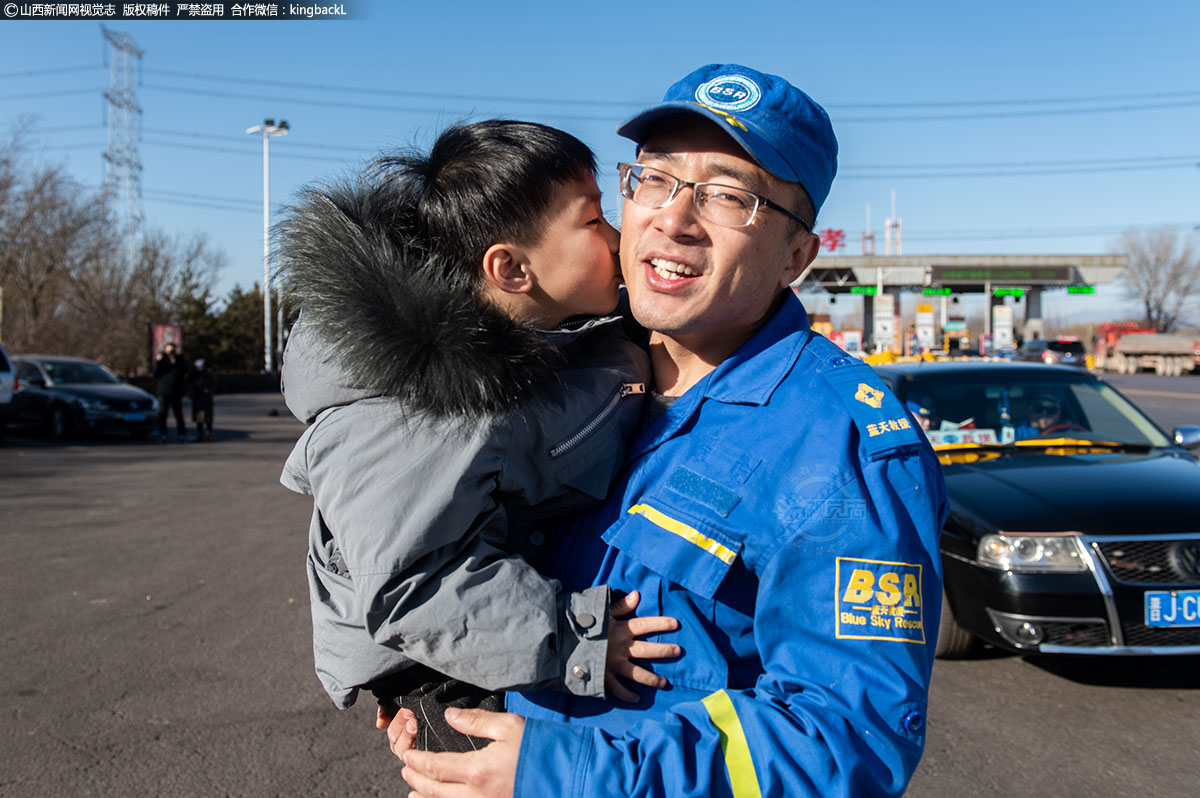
<point x="1187" y="436"/>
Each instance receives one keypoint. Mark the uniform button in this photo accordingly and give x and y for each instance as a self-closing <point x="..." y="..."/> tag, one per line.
<point x="581" y="673"/>
<point x="586" y="620"/>
<point x="537" y="538"/>
<point x="914" y="722"/>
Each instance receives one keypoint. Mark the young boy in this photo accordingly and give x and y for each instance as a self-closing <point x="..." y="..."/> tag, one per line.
<point x="452" y="412"/>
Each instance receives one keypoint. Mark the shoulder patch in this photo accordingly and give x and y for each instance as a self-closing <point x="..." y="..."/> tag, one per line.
<point x="883" y="422"/>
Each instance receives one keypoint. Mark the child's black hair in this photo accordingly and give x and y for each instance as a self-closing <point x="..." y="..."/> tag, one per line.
<point x="482" y="183"/>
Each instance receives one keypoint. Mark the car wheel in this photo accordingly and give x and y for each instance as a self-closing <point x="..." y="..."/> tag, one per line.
<point x="60" y="422"/>
<point x="954" y="642"/>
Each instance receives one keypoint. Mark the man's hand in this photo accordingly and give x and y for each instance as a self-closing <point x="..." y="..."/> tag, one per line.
<point x="624" y="646"/>
<point x="487" y="773"/>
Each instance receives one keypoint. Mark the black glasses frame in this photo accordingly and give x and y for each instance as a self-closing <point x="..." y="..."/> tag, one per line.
<point x="626" y="169"/>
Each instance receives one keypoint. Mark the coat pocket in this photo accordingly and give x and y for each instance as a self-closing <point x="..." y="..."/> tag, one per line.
<point x="675" y="544"/>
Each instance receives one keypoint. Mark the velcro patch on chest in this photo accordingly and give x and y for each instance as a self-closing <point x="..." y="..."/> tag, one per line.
<point x="879" y="600"/>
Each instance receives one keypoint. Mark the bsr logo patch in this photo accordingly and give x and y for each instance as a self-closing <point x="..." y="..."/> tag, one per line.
<point x="879" y="600"/>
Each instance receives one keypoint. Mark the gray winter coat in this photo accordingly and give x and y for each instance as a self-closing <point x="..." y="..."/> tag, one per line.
<point x="435" y="455"/>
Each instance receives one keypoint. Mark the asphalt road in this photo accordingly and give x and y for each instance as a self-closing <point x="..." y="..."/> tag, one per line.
<point x="157" y="642"/>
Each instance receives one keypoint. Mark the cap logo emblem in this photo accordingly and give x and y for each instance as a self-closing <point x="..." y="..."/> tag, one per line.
<point x="729" y="93"/>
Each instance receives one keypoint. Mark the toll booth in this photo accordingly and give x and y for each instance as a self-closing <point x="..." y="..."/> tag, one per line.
<point x="881" y="279"/>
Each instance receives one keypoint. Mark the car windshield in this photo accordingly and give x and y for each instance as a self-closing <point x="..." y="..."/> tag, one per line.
<point x="68" y="372"/>
<point x="995" y="409"/>
<point x="1074" y="347"/>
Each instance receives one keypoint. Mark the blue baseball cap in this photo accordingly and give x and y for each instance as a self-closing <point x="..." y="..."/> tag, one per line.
<point x="919" y="410"/>
<point x="779" y="126"/>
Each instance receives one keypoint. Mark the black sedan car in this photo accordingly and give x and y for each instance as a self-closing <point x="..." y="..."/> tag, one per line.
<point x="68" y="395"/>
<point x="1064" y="350"/>
<point x="1074" y="522"/>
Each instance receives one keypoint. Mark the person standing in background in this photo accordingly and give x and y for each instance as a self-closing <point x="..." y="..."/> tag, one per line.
<point x="170" y="370"/>
<point x="201" y="385"/>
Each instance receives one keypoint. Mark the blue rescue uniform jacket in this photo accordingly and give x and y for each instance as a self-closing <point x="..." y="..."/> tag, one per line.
<point x="786" y="510"/>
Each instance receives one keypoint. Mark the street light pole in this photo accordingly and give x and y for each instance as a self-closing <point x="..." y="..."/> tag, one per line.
<point x="268" y="128"/>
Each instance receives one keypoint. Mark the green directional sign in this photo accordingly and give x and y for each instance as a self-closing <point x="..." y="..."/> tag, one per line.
<point x="1081" y="289"/>
<point x="937" y="291"/>
<point x="865" y="290"/>
<point x="1017" y="292"/>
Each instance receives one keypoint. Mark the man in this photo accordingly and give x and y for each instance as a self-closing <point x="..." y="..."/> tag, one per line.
<point x="1045" y="413"/>
<point x="783" y="506"/>
<point x="170" y="371"/>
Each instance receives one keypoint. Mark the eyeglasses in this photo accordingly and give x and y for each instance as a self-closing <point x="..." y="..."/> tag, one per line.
<point x="727" y="206"/>
<point x="1043" y="409"/>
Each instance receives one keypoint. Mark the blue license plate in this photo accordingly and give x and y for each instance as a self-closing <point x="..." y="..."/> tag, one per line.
<point x="135" y="416"/>
<point x="1172" y="607"/>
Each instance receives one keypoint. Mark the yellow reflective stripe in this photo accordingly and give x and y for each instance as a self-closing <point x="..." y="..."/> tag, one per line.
<point x="684" y="531"/>
<point x="738" y="762"/>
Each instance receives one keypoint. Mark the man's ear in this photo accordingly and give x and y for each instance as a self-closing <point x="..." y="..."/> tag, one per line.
<point x="506" y="268"/>
<point x="804" y="252"/>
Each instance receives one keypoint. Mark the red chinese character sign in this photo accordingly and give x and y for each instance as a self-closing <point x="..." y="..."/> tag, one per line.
<point x="831" y="239"/>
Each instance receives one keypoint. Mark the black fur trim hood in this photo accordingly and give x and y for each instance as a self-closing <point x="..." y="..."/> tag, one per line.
<point x="381" y="317"/>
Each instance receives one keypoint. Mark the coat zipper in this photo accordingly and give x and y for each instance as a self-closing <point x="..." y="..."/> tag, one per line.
<point x="569" y="444"/>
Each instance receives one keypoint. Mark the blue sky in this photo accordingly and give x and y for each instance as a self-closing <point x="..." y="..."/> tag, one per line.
<point x="1017" y="128"/>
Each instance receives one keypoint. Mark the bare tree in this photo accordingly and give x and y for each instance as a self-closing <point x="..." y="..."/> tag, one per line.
<point x="69" y="286"/>
<point x="1163" y="275"/>
<point x="112" y="302"/>
<point x="51" y="228"/>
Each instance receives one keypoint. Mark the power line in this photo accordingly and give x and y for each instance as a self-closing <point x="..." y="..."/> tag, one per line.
<point x="42" y="94"/>
<point x="66" y="128"/>
<point x="607" y="118"/>
<point x="1024" y="101"/>
<point x="242" y="139"/>
<point x="1047" y="172"/>
<point x="242" y="81"/>
<point x="1011" y="233"/>
<point x="999" y="164"/>
<point x="1018" y="114"/>
<point x="29" y="73"/>
<point x="846" y="172"/>
<point x="254" y="204"/>
<point x="288" y="156"/>
<point x="351" y="105"/>
<point x="200" y="204"/>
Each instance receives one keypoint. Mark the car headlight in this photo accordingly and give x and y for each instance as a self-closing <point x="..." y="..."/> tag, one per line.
<point x="1007" y="551"/>
<point x="154" y="404"/>
<point x="93" y="404"/>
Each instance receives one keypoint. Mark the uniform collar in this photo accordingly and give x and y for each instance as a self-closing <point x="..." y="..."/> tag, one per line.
<point x="749" y="376"/>
<point x="745" y="377"/>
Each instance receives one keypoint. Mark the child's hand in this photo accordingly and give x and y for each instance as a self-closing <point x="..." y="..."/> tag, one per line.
<point x="401" y="731"/>
<point x="624" y="645"/>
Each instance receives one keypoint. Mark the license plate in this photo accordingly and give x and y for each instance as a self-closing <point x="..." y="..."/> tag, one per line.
<point x="1172" y="607"/>
<point x="135" y="416"/>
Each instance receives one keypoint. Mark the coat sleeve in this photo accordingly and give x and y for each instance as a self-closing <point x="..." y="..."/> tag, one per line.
<point x="839" y="707"/>
<point x="412" y="510"/>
